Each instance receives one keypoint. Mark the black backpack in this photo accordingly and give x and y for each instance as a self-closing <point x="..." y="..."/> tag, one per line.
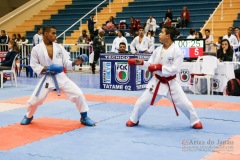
<point x="233" y="87"/>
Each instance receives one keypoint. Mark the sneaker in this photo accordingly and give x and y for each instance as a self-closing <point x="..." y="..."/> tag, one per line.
<point x="26" y="120"/>
<point x="131" y="124"/>
<point x="87" y="121"/>
<point x="198" y="125"/>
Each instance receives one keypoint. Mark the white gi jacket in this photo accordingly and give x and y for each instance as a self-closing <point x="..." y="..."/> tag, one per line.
<point x="232" y="40"/>
<point x="144" y="45"/>
<point x="40" y="59"/>
<point x="116" y="42"/>
<point x="171" y="62"/>
<point x="150" y="25"/>
<point x="209" y="47"/>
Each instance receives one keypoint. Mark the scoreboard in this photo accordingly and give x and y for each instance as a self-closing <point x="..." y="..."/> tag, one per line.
<point x="191" y="48"/>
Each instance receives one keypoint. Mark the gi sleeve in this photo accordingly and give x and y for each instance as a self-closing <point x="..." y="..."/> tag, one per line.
<point x="67" y="63"/>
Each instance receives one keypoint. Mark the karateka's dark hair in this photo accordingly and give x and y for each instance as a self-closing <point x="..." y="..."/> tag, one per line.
<point x="122" y="43"/>
<point x="48" y="28"/>
<point x="170" y="30"/>
<point x="38" y="28"/>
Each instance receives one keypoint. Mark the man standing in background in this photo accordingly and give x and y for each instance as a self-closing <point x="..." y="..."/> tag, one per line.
<point x="37" y="38"/>
<point x="98" y="47"/>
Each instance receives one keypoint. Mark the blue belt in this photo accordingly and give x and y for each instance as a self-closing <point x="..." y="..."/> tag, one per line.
<point x="53" y="75"/>
<point x="141" y="52"/>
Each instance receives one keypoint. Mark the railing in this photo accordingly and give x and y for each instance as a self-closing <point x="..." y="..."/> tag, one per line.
<point x="36" y="1"/>
<point x="25" y="50"/>
<point x="211" y="16"/>
<point x="80" y="20"/>
<point x="73" y="49"/>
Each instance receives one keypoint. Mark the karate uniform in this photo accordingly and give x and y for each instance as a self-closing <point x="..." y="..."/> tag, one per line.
<point x="143" y="46"/>
<point x="232" y="40"/>
<point x="171" y="60"/>
<point x="39" y="59"/>
<point x="116" y="42"/>
<point x="37" y="39"/>
<point x="150" y="26"/>
<point x="208" y="47"/>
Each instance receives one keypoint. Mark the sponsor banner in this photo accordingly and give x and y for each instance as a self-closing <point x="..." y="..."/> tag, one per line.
<point x="146" y="76"/>
<point x="106" y="72"/>
<point x="138" y="75"/>
<point x="215" y="83"/>
<point x="184" y="75"/>
<point x="122" y="72"/>
<point x="2" y="55"/>
<point x="116" y="74"/>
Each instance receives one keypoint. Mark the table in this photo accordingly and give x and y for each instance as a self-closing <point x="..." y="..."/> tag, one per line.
<point x="224" y="72"/>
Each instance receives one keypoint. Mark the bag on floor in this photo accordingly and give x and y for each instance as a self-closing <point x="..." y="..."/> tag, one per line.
<point x="233" y="87"/>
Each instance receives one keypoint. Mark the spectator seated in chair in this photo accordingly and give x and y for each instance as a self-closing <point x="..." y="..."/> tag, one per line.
<point x="6" y="64"/>
<point x="122" y="25"/>
<point x="135" y="25"/>
<point x="110" y="25"/>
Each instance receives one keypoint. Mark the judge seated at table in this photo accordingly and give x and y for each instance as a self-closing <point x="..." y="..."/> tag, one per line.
<point x="225" y="52"/>
<point x="122" y="48"/>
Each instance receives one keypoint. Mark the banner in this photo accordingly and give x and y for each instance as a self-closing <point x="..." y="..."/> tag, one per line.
<point x="116" y="74"/>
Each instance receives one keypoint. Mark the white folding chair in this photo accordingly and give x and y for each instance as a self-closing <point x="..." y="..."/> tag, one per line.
<point x="207" y="67"/>
<point x="11" y="71"/>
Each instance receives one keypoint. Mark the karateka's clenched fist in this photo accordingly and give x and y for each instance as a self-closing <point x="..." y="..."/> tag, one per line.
<point x="155" y="67"/>
<point x="56" y="68"/>
<point x="135" y="61"/>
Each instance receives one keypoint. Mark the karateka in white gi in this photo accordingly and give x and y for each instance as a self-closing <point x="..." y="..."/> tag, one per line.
<point x="141" y="44"/>
<point x="49" y="58"/>
<point x="151" y="25"/>
<point x="208" y="41"/>
<point x="231" y="38"/>
<point x="120" y="38"/>
<point x="164" y="63"/>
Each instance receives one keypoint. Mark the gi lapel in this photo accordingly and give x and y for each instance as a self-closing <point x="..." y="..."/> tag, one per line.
<point x="48" y="61"/>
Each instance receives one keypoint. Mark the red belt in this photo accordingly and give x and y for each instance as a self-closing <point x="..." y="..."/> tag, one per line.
<point x="164" y="80"/>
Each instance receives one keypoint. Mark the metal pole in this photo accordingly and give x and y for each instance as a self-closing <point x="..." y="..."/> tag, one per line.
<point x="80" y="27"/>
<point x="212" y="26"/>
<point x="64" y="38"/>
<point x="96" y="14"/>
<point x="222" y="12"/>
<point x="109" y="6"/>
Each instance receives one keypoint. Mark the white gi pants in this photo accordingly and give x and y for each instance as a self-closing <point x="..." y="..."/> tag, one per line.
<point x="179" y="97"/>
<point x="73" y="92"/>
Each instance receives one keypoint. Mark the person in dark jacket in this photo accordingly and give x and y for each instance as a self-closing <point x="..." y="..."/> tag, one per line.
<point x="6" y="64"/>
<point x="225" y="53"/>
<point x="98" y="47"/>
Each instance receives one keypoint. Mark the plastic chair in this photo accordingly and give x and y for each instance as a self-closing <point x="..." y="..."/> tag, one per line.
<point x="12" y="71"/>
<point x="29" y="70"/>
<point x="205" y="67"/>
